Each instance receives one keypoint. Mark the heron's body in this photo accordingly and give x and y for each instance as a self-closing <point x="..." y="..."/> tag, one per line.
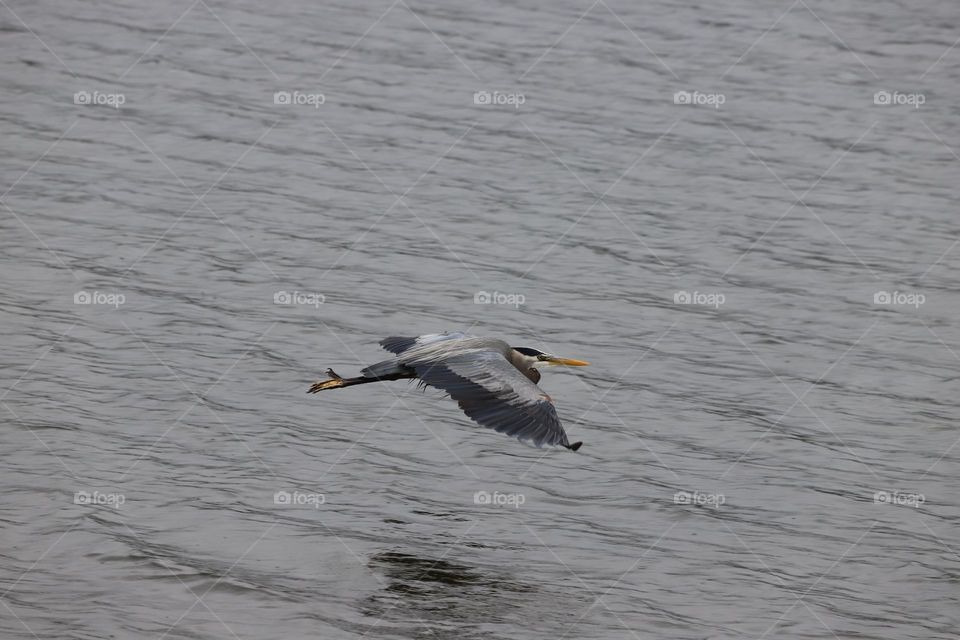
<point x="494" y="384"/>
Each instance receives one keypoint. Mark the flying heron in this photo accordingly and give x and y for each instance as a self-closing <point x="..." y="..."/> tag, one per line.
<point x="494" y="384"/>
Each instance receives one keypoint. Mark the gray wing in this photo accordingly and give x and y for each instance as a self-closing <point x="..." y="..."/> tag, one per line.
<point x="399" y="344"/>
<point x="495" y="394"/>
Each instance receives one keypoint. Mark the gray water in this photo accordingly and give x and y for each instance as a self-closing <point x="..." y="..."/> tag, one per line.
<point x="778" y="458"/>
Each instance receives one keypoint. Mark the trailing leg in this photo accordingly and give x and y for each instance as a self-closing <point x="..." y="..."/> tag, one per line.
<point x="337" y="382"/>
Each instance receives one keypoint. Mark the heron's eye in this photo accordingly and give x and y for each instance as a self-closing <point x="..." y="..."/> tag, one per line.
<point x="542" y="357"/>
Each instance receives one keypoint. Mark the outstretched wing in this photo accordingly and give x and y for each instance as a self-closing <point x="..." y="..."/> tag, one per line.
<point x="495" y="394"/>
<point x="399" y="344"/>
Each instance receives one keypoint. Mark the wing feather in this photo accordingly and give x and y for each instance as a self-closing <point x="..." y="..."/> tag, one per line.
<point x="400" y="344"/>
<point x="494" y="393"/>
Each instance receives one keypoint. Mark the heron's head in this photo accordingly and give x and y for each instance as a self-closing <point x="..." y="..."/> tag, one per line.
<point x="538" y="359"/>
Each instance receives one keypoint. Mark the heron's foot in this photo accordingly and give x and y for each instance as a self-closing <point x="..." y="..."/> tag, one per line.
<point x="574" y="446"/>
<point x="335" y="382"/>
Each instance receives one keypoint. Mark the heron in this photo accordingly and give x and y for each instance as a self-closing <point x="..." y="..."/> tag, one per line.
<point x="494" y="384"/>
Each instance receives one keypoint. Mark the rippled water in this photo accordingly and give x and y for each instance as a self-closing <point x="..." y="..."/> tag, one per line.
<point x="777" y="458"/>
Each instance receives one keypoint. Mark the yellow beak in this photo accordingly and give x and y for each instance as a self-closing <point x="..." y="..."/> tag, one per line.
<point x="569" y="362"/>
